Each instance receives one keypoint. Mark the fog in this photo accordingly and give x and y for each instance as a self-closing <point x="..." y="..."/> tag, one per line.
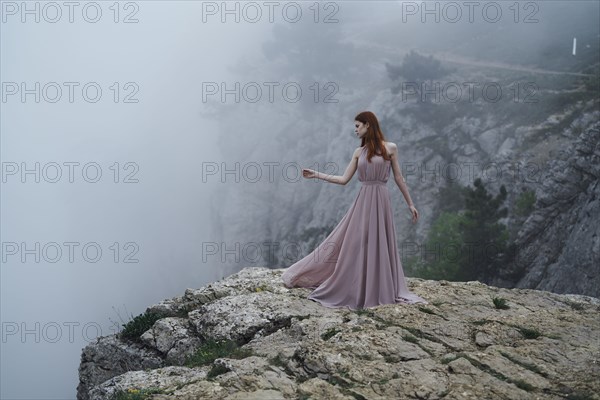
<point x="121" y="171"/>
<point x="156" y="211"/>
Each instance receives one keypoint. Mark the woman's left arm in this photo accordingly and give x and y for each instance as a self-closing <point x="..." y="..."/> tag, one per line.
<point x="399" y="179"/>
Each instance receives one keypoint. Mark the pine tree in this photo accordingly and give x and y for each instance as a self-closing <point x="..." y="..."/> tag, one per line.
<point x="485" y="239"/>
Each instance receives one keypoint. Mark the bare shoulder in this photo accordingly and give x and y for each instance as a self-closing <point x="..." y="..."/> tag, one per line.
<point x="357" y="152"/>
<point x="391" y="148"/>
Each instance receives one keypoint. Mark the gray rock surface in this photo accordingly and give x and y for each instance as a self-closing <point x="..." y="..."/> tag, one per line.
<point x="109" y="357"/>
<point x="460" y="346"/>
<point x="558" y="246"/>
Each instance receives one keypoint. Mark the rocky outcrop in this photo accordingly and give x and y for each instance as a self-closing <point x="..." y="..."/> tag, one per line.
<point x="558" y="246"/>
<point x="459" y="346"/>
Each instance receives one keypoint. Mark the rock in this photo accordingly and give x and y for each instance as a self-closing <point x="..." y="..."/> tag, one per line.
<point x="558" y="247"/>
<point x="457" y="347"/>
<point x="172" y="337"/>
<point x="139" y="380"/>
<point x="246" y="316"/>
<point x="109" y="357"/>
<point x="483" y="339"/>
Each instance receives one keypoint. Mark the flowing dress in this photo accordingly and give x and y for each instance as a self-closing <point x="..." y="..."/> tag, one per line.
<point x="357" y="265"/>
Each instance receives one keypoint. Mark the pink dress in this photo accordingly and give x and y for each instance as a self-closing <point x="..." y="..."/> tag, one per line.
<point x="357" y="265"/>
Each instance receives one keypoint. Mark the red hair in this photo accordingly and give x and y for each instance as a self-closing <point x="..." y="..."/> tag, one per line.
<point x="374" y="137"/>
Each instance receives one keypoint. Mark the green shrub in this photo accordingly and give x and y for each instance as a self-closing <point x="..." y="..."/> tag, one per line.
<point x="529" y="333"/>
<point x="444" y="242"/>
<point x="135" y="394"/>
<point x="216" y="371"/>
<point x="329" y="333"/>
<point x="213" y="349"/>
<point x="427" y="310"/>
<point x="138" y="325"/>
<point x="500" y="303"/>
<point x="410" y="338"/>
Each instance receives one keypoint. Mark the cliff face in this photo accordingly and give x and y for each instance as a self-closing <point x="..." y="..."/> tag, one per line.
<point x="557" y="159"/>
<point x="460" y="346"/>
<point x="558" y="246"/>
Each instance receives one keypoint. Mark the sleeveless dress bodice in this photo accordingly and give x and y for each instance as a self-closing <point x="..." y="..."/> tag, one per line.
<point x="377" y="171"/>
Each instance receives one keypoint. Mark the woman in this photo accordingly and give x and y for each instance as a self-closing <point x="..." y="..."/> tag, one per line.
<point x="357" y="266"/>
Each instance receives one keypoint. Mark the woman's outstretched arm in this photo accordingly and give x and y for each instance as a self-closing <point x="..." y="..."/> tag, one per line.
<point x="399" y="179"/>
<point x="339" y="179"/>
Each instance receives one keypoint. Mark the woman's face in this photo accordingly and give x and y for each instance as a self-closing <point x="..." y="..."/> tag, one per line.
<point x="360" y="129"/>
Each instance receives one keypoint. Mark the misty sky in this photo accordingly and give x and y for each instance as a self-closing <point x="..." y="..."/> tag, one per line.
<point x="167" y="55"/>
<point x="148" y="134"/>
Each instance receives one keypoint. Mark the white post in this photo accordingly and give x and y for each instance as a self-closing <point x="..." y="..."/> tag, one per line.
<point x="574" y="45"/>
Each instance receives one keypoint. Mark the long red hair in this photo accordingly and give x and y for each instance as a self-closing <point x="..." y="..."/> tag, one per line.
<point x="374" y="137"/>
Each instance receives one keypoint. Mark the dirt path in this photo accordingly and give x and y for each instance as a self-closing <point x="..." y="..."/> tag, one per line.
<point x="513" y="67"/>
<point x="453" y="58"/>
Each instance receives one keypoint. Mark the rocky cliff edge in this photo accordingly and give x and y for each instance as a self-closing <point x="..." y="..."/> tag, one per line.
<point x="525" y="344"/>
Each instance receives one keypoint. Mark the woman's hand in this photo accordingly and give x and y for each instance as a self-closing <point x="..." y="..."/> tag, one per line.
<point x="309" y="173"/>
<point x="415" y="214"/>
